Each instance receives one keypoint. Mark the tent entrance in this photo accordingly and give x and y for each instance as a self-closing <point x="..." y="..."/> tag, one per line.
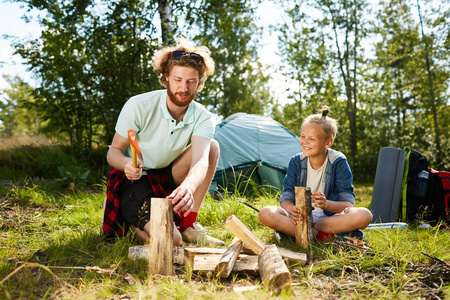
<point x="248" y="180"/>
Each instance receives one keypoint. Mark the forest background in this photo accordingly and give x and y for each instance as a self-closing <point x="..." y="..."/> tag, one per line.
<point x="382" y="67"/>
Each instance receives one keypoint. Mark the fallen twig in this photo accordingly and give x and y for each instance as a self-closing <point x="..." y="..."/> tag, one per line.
<point x="351" y="245"/>
<point x="35" y="265"/>
<point x="446" y="265"/>
<point x="48" y="269"/>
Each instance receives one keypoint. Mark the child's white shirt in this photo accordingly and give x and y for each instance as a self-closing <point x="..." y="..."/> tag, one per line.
<point x="316" y="181"/>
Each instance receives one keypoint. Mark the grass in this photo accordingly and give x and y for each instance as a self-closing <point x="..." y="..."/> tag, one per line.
<point x="51" y="246"/>
<point x="57" y="244"/>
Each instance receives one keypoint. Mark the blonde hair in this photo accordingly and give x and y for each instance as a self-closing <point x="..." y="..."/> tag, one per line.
<point x="329" y="125"/>
<point x="163" y="62"/>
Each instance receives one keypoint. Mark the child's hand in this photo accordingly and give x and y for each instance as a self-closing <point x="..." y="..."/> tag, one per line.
<point x="319" y="200"/>
<point x="293" y="210"/>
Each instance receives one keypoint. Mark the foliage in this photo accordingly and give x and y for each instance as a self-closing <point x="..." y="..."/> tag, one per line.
<point x="383" y="69"/>
<point x="91" y="57"/>
<point x="228" y="29"/>
<point x="382" y="98"/>
<point x="17" y="112"/>
<point x="40" y="159"/>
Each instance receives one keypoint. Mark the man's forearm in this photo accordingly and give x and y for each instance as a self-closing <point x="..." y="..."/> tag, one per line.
<point x="117" y="159"/>
<point x="196" y="175"/>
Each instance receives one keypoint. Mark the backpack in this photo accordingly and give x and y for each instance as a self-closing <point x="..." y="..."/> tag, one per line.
<point x="427" y="191"/>
<point x="440" y="195"/>
<point x="416" y="200"/>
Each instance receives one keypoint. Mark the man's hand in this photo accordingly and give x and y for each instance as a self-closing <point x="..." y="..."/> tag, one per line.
<point x="133" y="173"/>
<point x="182" y="199"/>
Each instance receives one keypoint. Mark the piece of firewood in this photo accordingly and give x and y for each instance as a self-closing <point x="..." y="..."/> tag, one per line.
<point x="274" y="272"/>
<point x="247" y="264"/>
<point x="303" y="230"/>
<point x="161" y="237"/>
<point x="293" y="258"/>
<point x="191" y="252"/>
<point x="228" y="260"/>
<point x="234" y="225"/>
<point x="142" y="251"/>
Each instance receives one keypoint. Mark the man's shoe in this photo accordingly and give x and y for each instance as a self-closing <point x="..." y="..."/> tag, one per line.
<point x="198" y="235"/>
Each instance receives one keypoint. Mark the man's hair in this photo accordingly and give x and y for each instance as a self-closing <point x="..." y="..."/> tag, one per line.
<point x="163" y="61"/>
<point x="329" y="125"/>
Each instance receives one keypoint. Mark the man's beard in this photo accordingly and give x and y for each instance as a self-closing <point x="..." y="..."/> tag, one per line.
<point x="178" y="102"/>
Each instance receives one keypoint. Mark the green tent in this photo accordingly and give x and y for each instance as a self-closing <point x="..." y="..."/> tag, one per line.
<point x="254" y="150"/>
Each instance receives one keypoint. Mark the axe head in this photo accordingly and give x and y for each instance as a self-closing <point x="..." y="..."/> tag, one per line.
<point x="132" y="138"/>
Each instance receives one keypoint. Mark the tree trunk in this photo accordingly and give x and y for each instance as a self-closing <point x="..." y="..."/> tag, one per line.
<point x="437" y="133"/>
<point x="165" y="14"/>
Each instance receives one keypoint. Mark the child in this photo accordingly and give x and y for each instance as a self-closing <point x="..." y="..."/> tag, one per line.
<point x="328" y="174"/>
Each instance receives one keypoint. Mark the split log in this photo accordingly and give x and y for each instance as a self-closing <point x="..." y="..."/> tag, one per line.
<point x="303" y="230"/>
<point x="234" y="225"/>
<point x="228" y="260"/>
<point x="293" y="258"/>
<point x="247" y="264"/>
<point x="274" y="273"/>
<point x="161" y="237"/>
<point x="143" y="252"/>
<point x="191" y="252"/>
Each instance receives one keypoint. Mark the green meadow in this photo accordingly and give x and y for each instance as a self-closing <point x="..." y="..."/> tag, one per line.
<point x="51" y="245"/>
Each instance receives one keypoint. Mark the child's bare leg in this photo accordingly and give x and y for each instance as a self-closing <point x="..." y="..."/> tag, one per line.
<point x="353" y="218"/>
<point x="275" y="218"/>
<point x="144" y="234"/>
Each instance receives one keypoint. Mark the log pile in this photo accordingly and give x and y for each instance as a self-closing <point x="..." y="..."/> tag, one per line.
<point x="246" y="254"/>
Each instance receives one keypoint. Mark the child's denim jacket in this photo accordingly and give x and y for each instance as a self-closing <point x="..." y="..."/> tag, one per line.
<point x="338" y="178"/>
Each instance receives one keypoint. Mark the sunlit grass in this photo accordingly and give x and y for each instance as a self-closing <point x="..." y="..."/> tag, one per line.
<point x="59" y="228"/>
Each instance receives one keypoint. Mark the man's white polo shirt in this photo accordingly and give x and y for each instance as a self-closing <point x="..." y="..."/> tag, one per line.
<point x="160" y="139"/>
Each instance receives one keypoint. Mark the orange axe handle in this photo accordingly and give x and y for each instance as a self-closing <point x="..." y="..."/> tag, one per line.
<point x="135" y="151"/>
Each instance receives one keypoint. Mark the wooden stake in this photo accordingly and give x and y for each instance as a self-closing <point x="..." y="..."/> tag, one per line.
<point x="303" y="231"/>
<point x="161" y="237"/>
<point x="274" y="273"/>
<point x="228" y="260"/>
<point x="234" y="225"/>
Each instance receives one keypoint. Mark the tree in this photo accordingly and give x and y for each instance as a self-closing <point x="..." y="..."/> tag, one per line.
<point x="412" y="88"/>
<point x="321" y="43"/>
<point x="17" y="113"/>
<point x="227" y="28"/>
<point x="434" y="78"/>
<point x="91" y="57"/>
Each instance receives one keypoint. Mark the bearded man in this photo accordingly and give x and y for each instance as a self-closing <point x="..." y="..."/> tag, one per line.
<point x="179" y="156"/>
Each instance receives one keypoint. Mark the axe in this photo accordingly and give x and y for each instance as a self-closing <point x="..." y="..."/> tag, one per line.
<point x="135" y="151"/>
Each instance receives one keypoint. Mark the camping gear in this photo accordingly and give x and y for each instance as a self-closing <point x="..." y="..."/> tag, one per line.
<point x="387" y="188"/>
<point x="437" y="199"/>
<point x="389" y="225"/>
<point x="416" y="185"/>
<point x="428" y="191"/>
<point x="253" y="150"/>
<point x="440" y="193"/>
<point x="422" y="195"/>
